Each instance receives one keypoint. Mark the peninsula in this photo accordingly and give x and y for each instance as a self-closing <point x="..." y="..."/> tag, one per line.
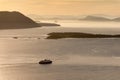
<point x="16" y="20"/>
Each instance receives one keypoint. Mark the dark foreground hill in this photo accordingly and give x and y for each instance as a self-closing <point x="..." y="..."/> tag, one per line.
<point x="15" y="20"/>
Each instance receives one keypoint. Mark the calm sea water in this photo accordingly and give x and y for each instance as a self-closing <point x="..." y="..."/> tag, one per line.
<point x="73" y="59"/>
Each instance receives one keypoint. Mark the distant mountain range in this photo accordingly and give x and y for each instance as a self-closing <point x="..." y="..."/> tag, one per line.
<point x="116" y="19"/>
<point x="71" y="17"/>
<point x="95" y="18"/>
<point x="98" y="18"/>
<point x="53" y="17"/>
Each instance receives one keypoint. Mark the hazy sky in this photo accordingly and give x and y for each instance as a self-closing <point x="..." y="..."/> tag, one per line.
<point x="62" y="7"/>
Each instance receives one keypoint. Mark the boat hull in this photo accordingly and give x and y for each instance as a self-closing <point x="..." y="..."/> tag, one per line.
<point x="45" y="62"/>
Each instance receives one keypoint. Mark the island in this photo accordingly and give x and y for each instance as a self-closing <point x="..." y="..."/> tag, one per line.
<point x="59" y="35"/>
